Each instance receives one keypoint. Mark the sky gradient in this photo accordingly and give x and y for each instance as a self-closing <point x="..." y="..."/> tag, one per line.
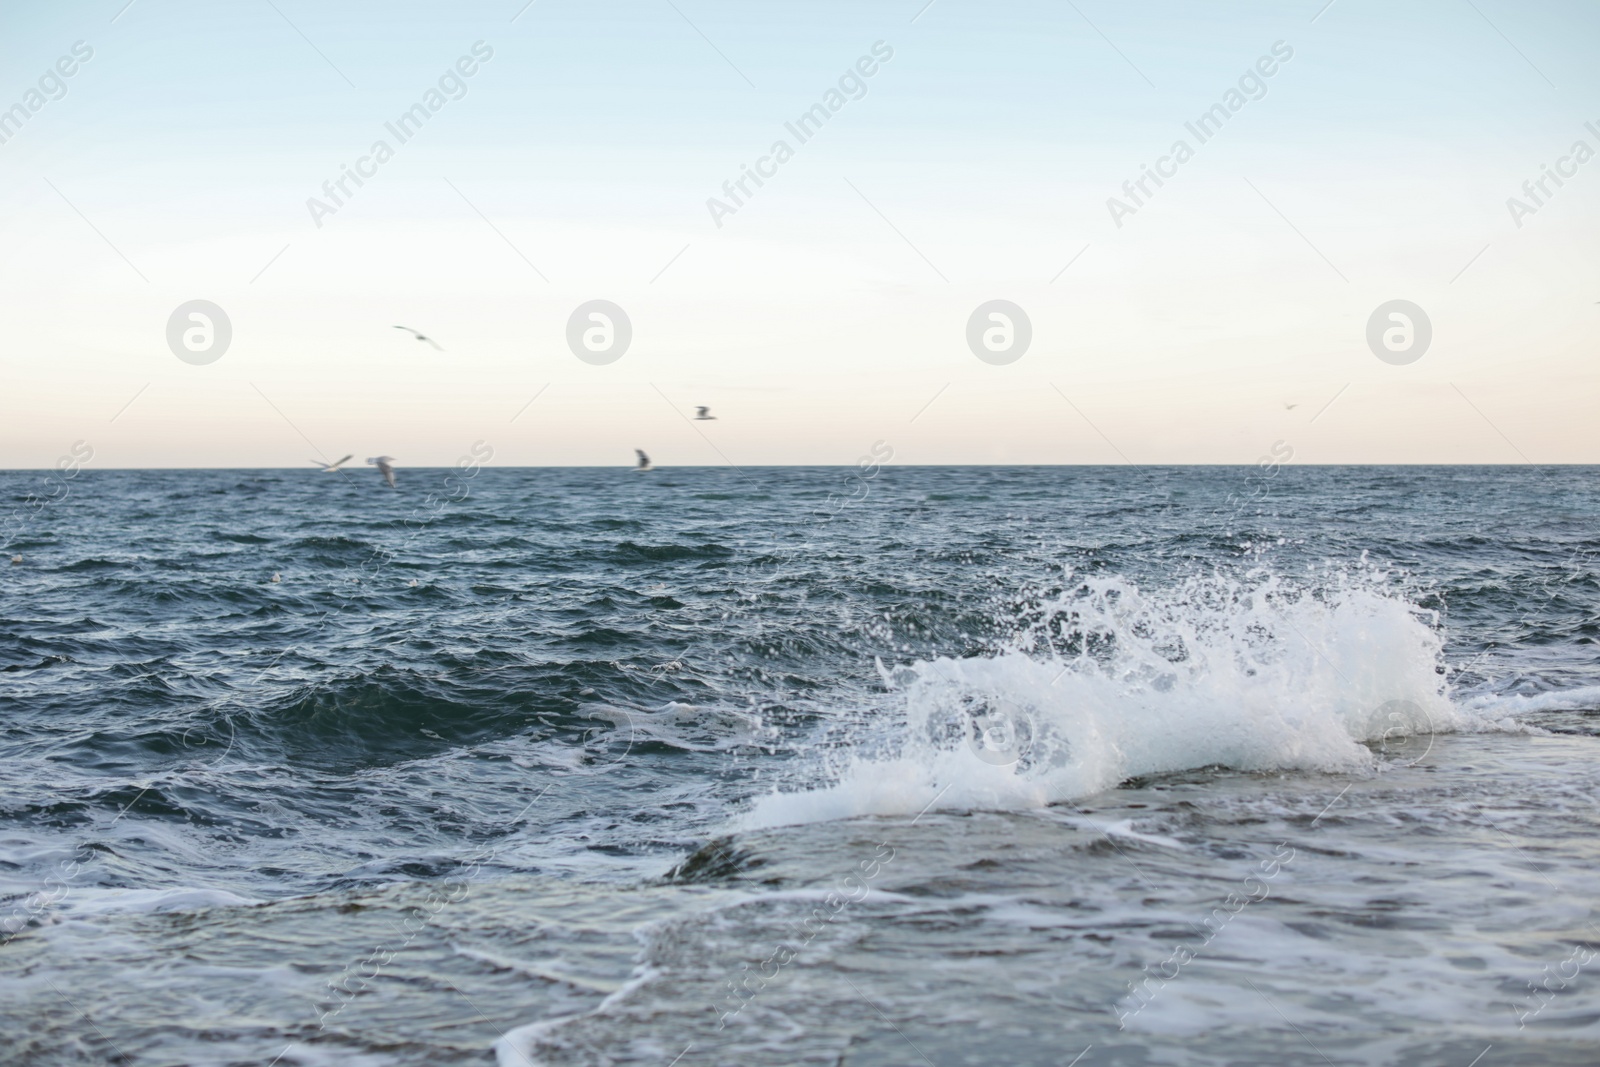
<point x="1225" y="317"/>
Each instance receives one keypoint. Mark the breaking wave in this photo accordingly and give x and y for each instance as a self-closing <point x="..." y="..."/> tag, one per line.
<point x="1108" y="681"/>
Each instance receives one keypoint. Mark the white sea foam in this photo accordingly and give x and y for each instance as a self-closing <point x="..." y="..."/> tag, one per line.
<point x="1581" y="698"/>
<point x="85" y="902"/>
<point x="1112" y="682"/>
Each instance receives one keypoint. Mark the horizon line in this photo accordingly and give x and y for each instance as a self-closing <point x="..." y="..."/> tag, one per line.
<point x="806" y="466"/>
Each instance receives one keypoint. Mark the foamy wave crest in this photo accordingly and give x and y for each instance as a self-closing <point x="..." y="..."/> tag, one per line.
<point x="1583" y="698"/>
<point x="1109" y="682"/>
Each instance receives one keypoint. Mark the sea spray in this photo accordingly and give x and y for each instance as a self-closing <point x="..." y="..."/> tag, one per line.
<point x="1107" y="681"/>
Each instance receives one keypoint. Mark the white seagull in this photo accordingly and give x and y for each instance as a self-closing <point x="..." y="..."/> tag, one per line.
<point x="385" y="467"/>
<point x="644" y="460"/>
<point x="703" y="414"/>
<point x="419" y="335"/>
<point x="332" y="468"/>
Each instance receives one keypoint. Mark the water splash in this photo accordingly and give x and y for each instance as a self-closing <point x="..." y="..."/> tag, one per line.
<point x="1107" y="681"/>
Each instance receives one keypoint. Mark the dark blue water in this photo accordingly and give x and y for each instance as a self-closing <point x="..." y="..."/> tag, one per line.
<point x="628" y="728"/>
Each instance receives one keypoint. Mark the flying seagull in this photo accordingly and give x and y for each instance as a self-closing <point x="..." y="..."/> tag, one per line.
<point x="644" y="460"/>
<point x="332" y="468"/>
<point x="703" y="414"/>
<point x="1290" y="407"/>
<point x="419" y="335"/>
<point x="385" y="467"/>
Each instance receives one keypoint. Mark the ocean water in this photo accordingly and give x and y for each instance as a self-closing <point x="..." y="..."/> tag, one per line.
<point x="832" y="766"/>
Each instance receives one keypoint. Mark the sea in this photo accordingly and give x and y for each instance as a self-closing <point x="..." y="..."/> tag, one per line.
<point x="872" y="765"/>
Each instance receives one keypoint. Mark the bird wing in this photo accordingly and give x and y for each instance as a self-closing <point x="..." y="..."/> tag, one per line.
<point x="319" y="463"/>
<point x="432" y="342"/>
<point x="342" y="462"/>
<point x="701" y="411"/>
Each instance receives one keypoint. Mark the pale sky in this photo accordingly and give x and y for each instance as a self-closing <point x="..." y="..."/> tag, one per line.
<point x="830" y="310"/>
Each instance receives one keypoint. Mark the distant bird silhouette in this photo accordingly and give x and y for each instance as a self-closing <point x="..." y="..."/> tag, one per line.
<point x="276" y="577"/>
<point x="704" y="415"/>
<point x="1290" y="407"/>
<point x="644" y="460"/>
<point x="332" y="468"/>
<point x="419" y="335"/>
<point x="385" y="468"/>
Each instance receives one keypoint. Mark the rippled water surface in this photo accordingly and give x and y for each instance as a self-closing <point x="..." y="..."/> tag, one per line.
<point x="801" y="765"/>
